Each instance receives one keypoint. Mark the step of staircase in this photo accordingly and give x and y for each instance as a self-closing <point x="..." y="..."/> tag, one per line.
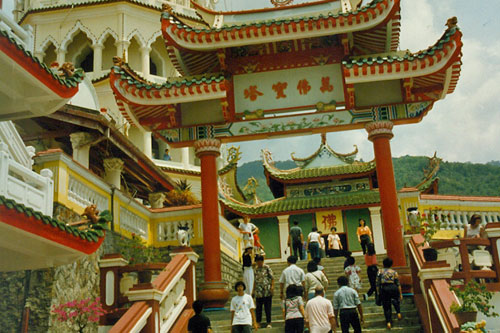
<point x="333" y="267"/>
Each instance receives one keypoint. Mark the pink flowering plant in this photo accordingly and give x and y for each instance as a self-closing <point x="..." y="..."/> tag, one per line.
<point x="474" y="297"/>
<point x="79" y="313"/>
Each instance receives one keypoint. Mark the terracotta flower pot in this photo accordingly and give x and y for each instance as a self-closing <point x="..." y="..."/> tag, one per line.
<point x="465" y="317"/>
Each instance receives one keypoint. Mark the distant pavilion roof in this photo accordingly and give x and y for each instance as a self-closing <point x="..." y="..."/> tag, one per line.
<point x="302" y="204"/>
<point x="323" y="164"/>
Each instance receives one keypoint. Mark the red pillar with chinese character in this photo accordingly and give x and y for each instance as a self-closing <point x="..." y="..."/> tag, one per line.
<point x="380" y="133"/>
<point x="213" y="292"/>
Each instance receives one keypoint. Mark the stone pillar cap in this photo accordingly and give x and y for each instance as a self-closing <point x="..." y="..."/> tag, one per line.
<point x="379" y="129"/>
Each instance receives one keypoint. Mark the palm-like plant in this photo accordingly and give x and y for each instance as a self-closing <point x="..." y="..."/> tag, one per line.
<point x="181" y="195"/>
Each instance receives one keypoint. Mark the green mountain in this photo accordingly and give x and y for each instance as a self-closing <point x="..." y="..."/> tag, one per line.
<point x="454" y="177"/>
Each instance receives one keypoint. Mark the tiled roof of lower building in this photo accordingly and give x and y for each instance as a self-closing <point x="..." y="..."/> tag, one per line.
<point x="284" y="205"/>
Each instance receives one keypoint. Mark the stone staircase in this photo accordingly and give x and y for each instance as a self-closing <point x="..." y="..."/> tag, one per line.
<point x="374" y="316"/>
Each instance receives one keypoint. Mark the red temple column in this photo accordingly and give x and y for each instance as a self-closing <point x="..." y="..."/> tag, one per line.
<point x="380" y="133"/>
<point x="213" y="292"/>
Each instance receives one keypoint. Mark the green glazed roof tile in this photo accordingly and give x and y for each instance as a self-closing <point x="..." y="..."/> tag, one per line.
<point x="304" y="203"/>
<point x="68" y="82"/>
<point x="29" y="212"/>
<point x="135" y="79"/>
<point x="348" y="169"/>
<point x="391" y="58"/>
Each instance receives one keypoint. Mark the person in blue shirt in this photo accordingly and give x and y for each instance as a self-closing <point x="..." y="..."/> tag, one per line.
<point x="166" y="156"/>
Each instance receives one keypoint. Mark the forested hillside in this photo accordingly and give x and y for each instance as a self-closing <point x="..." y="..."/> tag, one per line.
<point x="454" y="177"/>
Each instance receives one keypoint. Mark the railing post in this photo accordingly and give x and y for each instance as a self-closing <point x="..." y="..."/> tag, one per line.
<point x="109" y="267"/>
<point x="492" y="231"/>
<point x="48" y="188"/>
<point x="190" y="274"/>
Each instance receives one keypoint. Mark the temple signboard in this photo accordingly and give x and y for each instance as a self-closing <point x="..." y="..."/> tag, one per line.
<point x="289" y="89"/>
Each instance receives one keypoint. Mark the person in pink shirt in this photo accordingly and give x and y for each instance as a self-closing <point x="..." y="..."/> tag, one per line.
<point x="319" y="313"/>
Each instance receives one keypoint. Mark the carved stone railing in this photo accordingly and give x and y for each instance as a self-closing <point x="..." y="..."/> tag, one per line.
<point x="230" y="239"/>
<point x="133" y="223"/>
<point x="23" y="36"/>
<point x="161" y="306"/>
<point x="431" y="290"/>
<point x="167" y="231"/>
<point x="17" y="150"/>
<point x="84" y="196"/>
<point x="457" y="219"/>
<point x="431" y="280"/>
<point x="24" y="185"/>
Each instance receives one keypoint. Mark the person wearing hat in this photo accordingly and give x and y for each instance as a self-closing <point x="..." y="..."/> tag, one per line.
<point x="248" y="274"/>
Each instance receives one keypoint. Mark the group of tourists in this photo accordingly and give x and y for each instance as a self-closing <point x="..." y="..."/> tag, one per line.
<point x="317" y="246"/>
<point x="303" y="294"/>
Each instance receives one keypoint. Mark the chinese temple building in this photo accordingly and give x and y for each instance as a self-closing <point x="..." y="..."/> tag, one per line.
<point x="192" y="82"/>
<point x="308" y="68"/>
<point x="325" y="190"/>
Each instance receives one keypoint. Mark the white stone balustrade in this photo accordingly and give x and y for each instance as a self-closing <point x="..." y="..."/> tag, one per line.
<point x="167" y="231"/>
<point x="229" y="239"/>
<point x="133" y="223"/>
<point x="22" y="35"/>
<point x="84" y="196"/>
<point x="456" y="219"/>
<point x="24" y="185"/>
<point x="15" y="145"/>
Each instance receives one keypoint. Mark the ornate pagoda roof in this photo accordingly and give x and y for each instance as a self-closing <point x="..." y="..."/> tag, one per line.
<point x="323" y="164"/>
<point x="314" y="19"/>
<point x="145" y="103"/>
<point x="283" y="205"/>
<point x="436" y="69"/>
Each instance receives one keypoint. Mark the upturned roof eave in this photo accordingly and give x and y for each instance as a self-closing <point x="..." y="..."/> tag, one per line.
<point x="63" y="87"/>
<point x="133" y="89"/>
<point x="445" y="53"/>
<point x="184" y="37"/>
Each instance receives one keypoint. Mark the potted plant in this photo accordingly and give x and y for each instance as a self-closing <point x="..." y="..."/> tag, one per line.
<point x="429" y="225"/>
<point x="474" y="297"/>
<point x="136" y="251"/>
<point x="181" y="195"/>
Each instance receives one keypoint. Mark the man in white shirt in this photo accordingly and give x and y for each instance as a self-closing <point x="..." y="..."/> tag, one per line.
<point x="291" y="275"/>
<point x="242" y="311"/>
<point x="319" y="313"/>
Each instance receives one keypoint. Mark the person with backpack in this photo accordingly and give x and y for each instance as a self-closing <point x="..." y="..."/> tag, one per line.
<point x="296" y="240"/>
<point x="314" y="278"/>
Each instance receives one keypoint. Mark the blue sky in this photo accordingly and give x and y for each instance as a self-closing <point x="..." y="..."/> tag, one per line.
<point x="465" y="126"/>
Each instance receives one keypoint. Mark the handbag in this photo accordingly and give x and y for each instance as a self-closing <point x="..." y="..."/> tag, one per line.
<point x="378" y="300"/>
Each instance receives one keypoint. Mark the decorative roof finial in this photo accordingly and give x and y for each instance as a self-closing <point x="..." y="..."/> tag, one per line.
<point x="281" y="3"/>
<point x="452" y="22"/>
